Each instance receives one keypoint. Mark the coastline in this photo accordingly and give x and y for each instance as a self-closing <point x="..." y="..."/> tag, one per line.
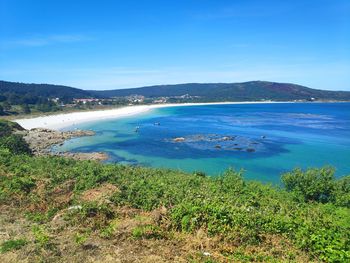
<point x="64" y="120"/>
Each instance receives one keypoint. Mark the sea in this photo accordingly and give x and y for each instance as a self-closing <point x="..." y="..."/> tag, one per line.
<point x="261" y="140"/>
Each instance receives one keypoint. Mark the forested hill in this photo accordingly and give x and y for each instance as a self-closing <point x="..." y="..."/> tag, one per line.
<point x="40" y="90"/>
<point x="253" y="90"/>
<point x="246" y="91"/>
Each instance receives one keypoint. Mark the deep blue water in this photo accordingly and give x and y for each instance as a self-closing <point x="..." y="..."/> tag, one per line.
<point x="263" y="139"/>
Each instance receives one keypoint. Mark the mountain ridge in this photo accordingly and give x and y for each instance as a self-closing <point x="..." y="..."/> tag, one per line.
<point x="241" y="91"/>
<point x="251" y="90"/>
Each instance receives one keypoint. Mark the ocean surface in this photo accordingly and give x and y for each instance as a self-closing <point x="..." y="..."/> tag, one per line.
<point x="265" y="140"/>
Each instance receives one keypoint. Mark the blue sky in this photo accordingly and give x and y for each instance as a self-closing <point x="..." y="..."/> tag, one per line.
<point x="120" y="44"/>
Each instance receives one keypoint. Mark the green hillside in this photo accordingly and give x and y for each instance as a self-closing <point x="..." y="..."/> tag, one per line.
<point x="20" y="98"/>
<point x="253" y="90"/>
<point x="30" y="93"/>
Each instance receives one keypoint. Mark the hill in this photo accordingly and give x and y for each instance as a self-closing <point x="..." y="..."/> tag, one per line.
<point x="253" y="90"/>
<point x="41" y="90"/>
<point x="246" y="91"/>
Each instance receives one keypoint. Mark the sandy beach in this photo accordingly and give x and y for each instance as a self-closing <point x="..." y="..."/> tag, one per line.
<point x="64" y="120"/>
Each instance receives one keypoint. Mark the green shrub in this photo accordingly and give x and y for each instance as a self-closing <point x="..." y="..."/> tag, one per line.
<point x="342" y="191"/>
<point x="21" y="185"/>
<point x="80" y="238"/>
<point x="42" y="238"/>
<point x="92" y="215"/>
<point x="15" y="144"/>
<point x="322" y="237"/>
<point x="147" y="232"/>
<point x="312" y="185"/>
<point x="13" y="244"/>
<point x="41" y="217"/>
<point x="7" y="127"/>
<point x="199" y="173"/>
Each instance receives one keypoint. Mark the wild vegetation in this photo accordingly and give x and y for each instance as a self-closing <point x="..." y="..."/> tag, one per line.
<point x="60" y="209"/>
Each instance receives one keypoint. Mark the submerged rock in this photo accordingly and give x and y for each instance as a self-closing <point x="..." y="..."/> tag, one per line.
<point x="237" y="149"/>
<point x="218" y="141"/>
<point x="179" y="139"/>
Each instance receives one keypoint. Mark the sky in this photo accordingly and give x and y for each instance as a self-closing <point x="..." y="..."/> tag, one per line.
<point x="116" y="44"/>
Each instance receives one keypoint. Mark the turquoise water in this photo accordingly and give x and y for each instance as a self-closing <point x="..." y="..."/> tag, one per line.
<point x="263" y="139"/>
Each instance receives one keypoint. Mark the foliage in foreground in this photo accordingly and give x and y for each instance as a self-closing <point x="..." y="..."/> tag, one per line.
<point x="318" y="185"/>
<point x="313" y="213"/>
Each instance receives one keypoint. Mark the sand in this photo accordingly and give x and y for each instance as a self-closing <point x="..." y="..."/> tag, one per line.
<point x="65" y="120"/>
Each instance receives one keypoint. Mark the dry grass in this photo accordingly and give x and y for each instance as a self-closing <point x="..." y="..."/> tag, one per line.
<point x="121" y="245"/>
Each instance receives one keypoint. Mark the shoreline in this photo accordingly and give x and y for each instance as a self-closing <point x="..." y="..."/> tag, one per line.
<point x="64" y="120"/>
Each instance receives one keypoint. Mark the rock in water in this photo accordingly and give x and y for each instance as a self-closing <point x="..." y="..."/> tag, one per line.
<point x="179" y="139"/>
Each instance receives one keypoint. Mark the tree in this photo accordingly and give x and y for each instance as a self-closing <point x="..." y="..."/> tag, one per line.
<point x="7" y="106"/>
<point x="25" y="108"/>
<point x="14" y="99"/>
<point x="2" y="110"/>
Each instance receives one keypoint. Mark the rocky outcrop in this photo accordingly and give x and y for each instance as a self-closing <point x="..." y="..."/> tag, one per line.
<point x="40" y="141"/>
<point x="97" y="156"/>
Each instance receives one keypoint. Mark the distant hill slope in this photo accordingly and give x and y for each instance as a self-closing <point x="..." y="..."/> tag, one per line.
<point x="42" y="90"/>
<point x="253" y="90"/>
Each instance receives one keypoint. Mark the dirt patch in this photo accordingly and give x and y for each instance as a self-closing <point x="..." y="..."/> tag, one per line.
<point x="63" y="194"/>
<point x="100" y="194"/>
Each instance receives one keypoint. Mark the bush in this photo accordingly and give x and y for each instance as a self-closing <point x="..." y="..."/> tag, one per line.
<point x="42" y="237"/>
<point x="7" y="127"/>
<point x="92" y="215"/>
<point x="342" y="192"/>
<point x="312" y="185"/>
<point x="147" y="232"/>
<point x="15" y="144"/>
